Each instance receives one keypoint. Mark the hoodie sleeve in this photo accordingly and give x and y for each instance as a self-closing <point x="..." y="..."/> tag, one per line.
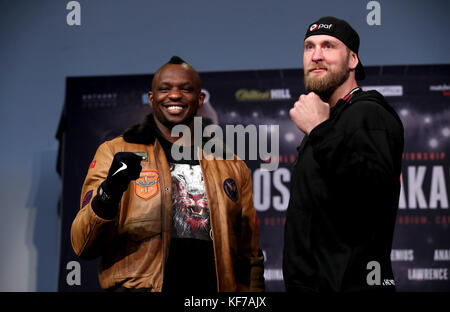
<point x="368" y="138"/>
<point x="360" y="152"/>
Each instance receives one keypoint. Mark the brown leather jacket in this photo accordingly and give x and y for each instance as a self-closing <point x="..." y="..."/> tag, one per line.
<point x="134" y="246"/>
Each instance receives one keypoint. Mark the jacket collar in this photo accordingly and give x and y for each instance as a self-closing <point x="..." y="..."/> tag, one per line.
<point x="142" y="133"/>
<point x="146" y="132"/>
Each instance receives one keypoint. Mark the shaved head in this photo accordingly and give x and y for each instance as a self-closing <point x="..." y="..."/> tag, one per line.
<point x="176" y="60"/>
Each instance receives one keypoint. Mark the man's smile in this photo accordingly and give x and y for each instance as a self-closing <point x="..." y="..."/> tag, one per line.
<point x="174" y="109"/>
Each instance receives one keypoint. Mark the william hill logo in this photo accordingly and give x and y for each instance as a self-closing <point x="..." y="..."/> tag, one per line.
<point x="257" y="95"/>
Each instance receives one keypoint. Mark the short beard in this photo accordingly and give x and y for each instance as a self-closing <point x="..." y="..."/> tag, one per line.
<point x="324" y="87"/>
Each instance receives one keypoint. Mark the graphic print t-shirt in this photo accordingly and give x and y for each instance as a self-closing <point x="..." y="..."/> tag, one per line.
<point x="190" y="204"/>
<point x="190" y="266"/>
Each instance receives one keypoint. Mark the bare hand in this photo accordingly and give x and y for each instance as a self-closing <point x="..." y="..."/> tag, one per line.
<point x="309" y="111"/>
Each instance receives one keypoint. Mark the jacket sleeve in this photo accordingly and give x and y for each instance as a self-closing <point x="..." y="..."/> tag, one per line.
<point x="251" y="259"/>
<point x="361" y="160"/>
<point x="90" y="233"/>
<point x="370" y="145"/>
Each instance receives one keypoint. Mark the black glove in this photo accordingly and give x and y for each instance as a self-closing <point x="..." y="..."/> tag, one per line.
<point x="125" y="167"/>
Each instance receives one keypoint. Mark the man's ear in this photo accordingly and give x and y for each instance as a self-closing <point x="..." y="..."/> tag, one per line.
<point x="150" y="98"/>
<point x="353" y="60"/>
<point x="201" y="99"/>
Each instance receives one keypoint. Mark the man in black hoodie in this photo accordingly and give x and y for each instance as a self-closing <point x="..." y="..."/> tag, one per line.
<point x="346" y="180"/>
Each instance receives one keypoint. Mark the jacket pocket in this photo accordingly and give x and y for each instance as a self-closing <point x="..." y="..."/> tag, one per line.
<point x="141" y="229"/>
<point x="139" y="258"/>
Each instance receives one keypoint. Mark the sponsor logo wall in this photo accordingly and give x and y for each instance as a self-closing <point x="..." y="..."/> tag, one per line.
<point x="100" y="108"/>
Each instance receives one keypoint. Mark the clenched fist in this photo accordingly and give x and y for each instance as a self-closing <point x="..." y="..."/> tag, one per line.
<point x="309" y="111"/>
<point x="126" y="166"/>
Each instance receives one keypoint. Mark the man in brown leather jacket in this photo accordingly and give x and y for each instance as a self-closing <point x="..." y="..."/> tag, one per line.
<point x="164" y="224"/>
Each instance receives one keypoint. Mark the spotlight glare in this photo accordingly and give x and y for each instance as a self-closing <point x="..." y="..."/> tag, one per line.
<point x="289" y="137"/>
<point x="404" y="112"/>
<point x="433" y="143"/>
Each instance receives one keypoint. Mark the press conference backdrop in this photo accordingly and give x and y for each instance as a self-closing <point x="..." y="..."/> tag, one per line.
<point x="100" y="108"/>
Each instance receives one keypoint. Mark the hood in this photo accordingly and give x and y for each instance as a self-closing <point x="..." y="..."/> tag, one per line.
<point x="373" y="95"/>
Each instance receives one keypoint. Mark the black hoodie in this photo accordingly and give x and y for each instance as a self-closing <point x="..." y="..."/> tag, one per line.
<point x="344" y="195"/>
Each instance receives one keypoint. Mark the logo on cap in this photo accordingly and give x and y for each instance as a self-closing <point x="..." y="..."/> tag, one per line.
<point x="326" y="26"/>
<point x="321" y="26"/>
<point x="313" y="27"/>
